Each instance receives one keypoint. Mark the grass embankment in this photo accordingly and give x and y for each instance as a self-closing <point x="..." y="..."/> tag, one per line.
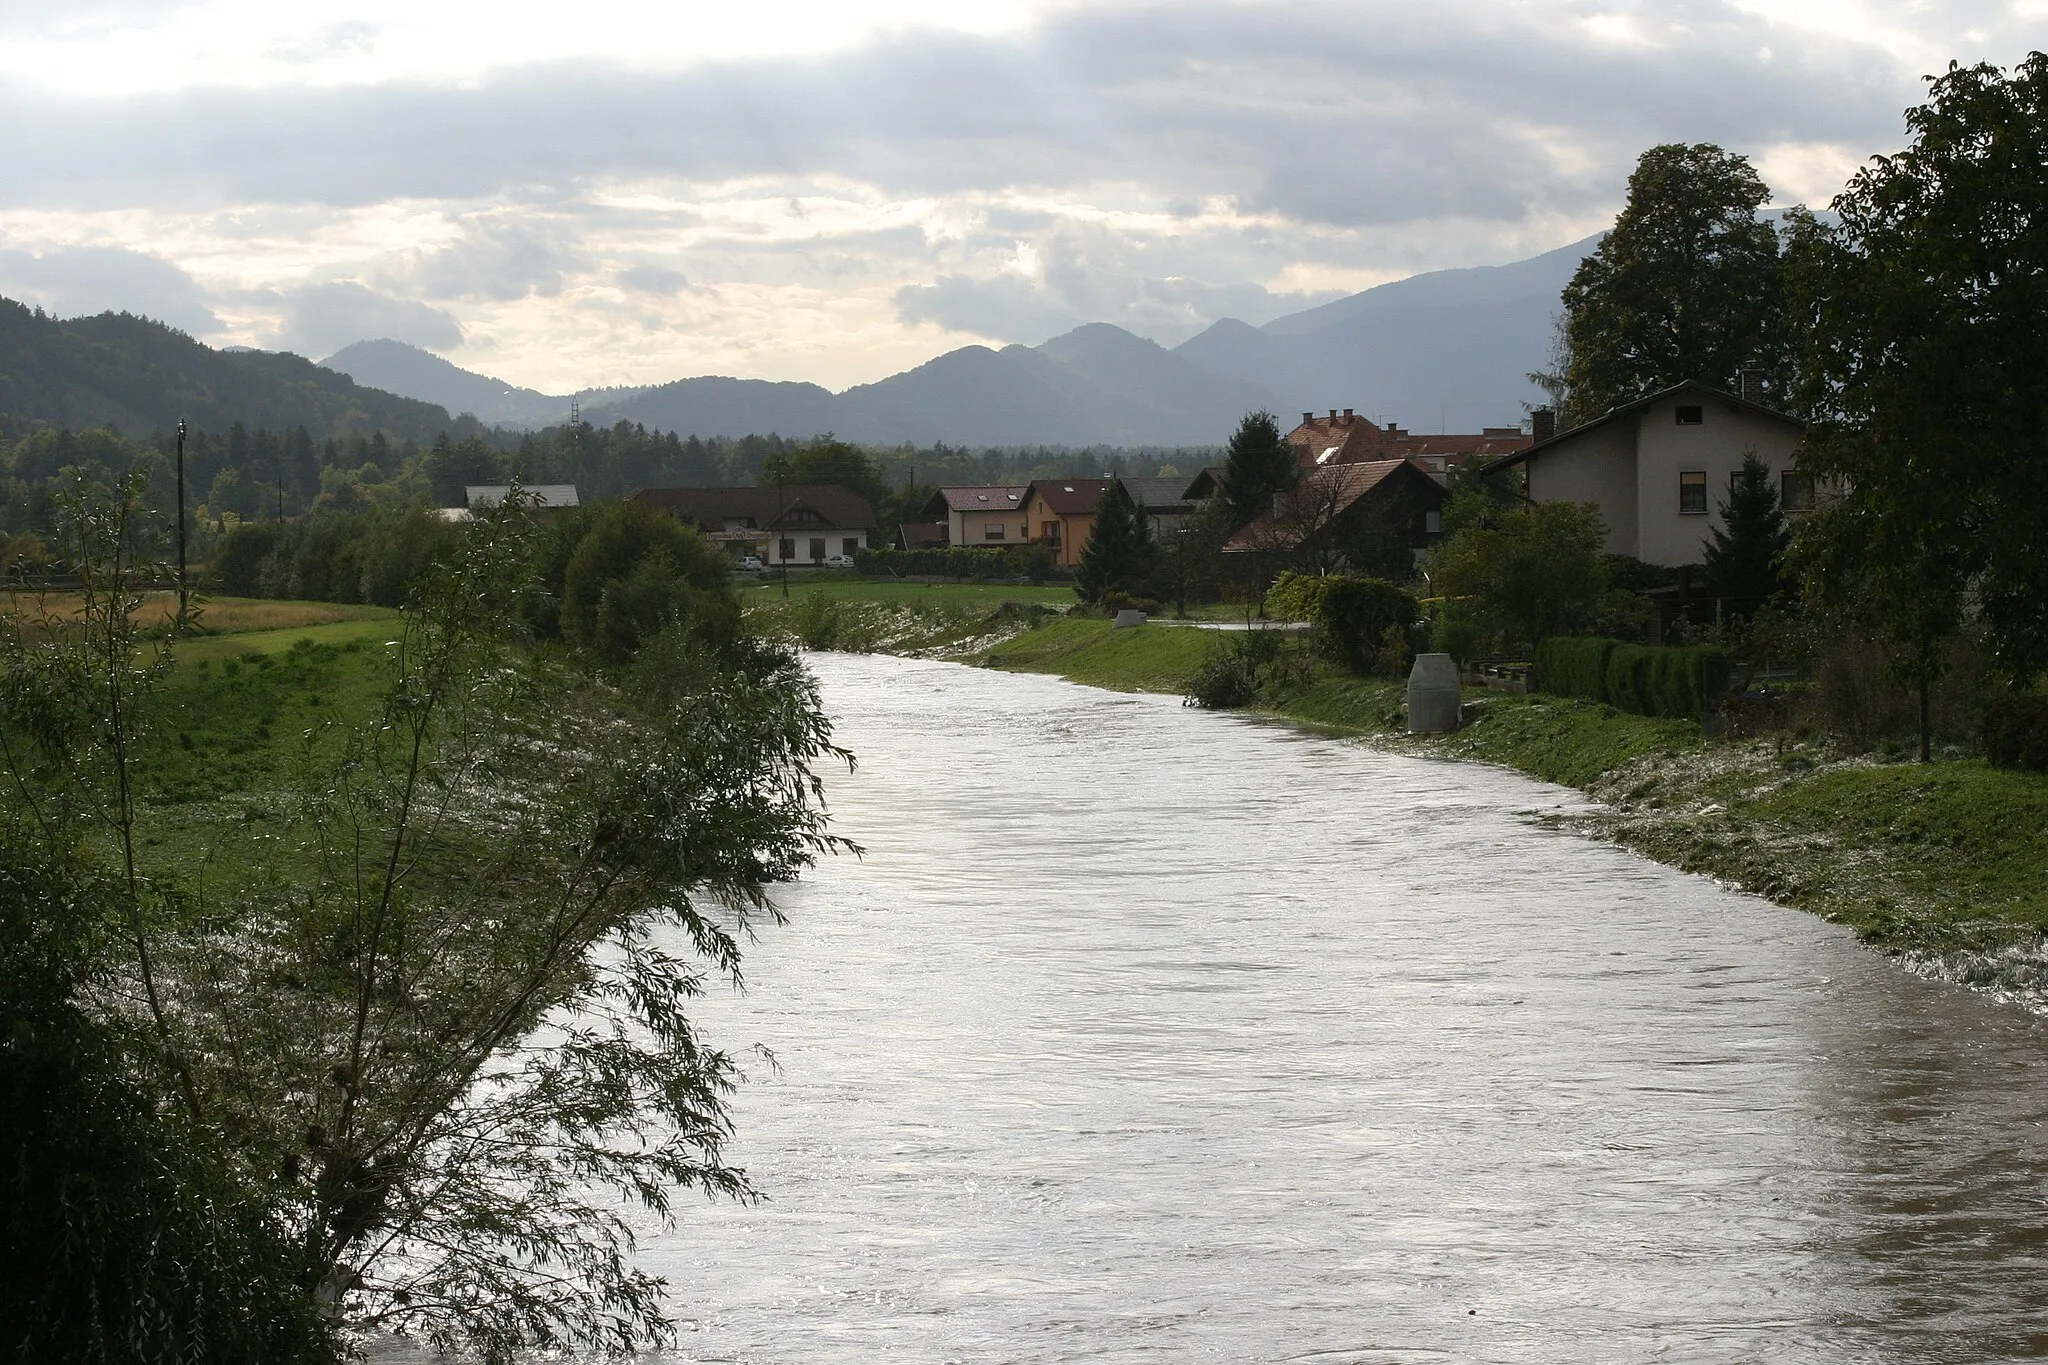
<point x="1945" y="863"/>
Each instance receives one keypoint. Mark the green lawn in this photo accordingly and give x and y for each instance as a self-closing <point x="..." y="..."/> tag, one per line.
<point x="1088" y="650"/>
<point x="895" y="592"/>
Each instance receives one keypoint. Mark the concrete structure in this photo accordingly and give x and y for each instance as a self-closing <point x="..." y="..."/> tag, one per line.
<point x="795" y="524"/>
<point x="985" y="515"/>
<point x="1660" y="468"/>
<point x="1061" y="512"/>
<point x="1433" y="695"/>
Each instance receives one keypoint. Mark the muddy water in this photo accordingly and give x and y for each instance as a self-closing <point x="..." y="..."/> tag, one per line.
<point x="1143" y="1034"/>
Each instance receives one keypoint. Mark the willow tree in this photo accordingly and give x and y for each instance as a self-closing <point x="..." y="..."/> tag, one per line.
<point x="434" y="996"/>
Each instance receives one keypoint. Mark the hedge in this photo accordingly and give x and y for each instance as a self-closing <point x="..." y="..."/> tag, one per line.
<point x="2016" y="732"/>
<point x="1648" y="680"/>
<point x="961" y="561"/>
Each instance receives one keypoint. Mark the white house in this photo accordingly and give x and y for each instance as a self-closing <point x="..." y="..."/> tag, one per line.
<point x="1660" y="468"/>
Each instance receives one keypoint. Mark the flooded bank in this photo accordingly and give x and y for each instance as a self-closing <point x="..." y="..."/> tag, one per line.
<point x="1148" y="1034"/>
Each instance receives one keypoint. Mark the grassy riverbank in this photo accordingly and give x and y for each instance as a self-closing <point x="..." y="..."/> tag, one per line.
<point x="1945" y="864"/>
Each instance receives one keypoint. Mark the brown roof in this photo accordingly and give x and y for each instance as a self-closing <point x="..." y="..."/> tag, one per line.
<point x="794" y="507"/>
<point x="971" y="498"/>
<point x="915" y="535"/>
<point x="1350" y="439"/>
<point x="1343" y="485"/>
<point x="1068" y="497"/>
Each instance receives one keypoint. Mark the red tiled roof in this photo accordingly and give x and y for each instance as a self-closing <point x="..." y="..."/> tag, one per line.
<point x="1355" y="440"/>
<point x="970" y="498"/>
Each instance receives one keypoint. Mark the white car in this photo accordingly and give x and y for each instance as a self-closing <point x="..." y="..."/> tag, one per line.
<point x="749" y="563"/>
<point x="839" y="562"/>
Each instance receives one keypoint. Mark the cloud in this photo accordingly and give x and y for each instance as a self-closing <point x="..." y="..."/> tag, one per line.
<point x="652" y="279"/>
<point x="70" y="281"/>
<point x="320" y="319"/>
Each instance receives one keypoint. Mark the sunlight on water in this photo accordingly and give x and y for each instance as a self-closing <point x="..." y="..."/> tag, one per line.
<point x="1146" y="1034"/>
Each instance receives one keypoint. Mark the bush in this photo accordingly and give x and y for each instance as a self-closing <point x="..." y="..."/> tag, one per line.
<point x="2016" y="731"/>
<point x="1236" y="674"/>
<point x="1647" y="680"/>
<point x="1113" y="602"/>
<point x="1356" y="615"/>
<point x="1298" y="596"/>
<point x="960" y="561"/>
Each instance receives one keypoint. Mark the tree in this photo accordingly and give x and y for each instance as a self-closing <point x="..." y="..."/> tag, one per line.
<point x="833" y="462"/>
<point x="1527" y="574"/>
<point x="433" y="1003"/>
<point x="1258" y="464"/>
<point x="635" y="571"/>
<point x="1687" y="285"/>
<point x="1921" y="356"/>
<point x="1118" y="554"/>
<point x="1745" y="555"/>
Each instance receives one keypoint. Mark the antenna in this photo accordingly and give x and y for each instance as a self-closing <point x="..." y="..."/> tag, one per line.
<point x="575" y="410"/>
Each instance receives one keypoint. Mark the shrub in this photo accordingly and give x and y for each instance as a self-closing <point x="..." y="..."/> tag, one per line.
<point x="1647" y="680"/>
<point x="1298" y="596"/>
<point x="1114" y="601"/>
<point x="1235" y="674"/>
<point x="1356" y="615"/>
<point x="2016" y="731"/>
<point x="957" y="561"/>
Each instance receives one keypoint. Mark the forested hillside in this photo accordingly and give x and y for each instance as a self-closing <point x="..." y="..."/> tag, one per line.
<point x="138" y="376"/>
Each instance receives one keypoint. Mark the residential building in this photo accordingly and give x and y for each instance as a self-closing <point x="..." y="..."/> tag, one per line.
<point x="1166" y="503"/>
<point x="1660" y="468"/>
<point x="921" y="535"/>
<point x="794" y="524"/>
<point x="984" y="515"/>
<point x="1060" y="513"/>
<point x="1347" y="438"/>
<point x="1372" y="518"/>
<point x="544" y="498"/>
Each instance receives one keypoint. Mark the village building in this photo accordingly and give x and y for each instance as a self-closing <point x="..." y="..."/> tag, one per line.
<point x="1347" y="438"/>
<point x="985" y="515"/>
<point x="921" y="535"/>
<point x="1059" y="513"/>
<point x="1376" y="518"/>
<point x="543" y="499"/>
<point x="795" y="524"/>
<point x="1167" y="503"/>
<point x="1660" y="468"/>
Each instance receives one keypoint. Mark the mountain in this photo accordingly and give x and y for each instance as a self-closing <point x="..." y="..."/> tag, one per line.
<point x="1447" y="350"/>
<point x="401" y="368"/>
<point x="128" y="372"/>
<point x="1096" y="385"/>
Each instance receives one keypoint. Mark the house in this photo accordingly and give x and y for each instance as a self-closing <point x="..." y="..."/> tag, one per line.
<point x="921" y="535"/>
<point x="1372" y="518"/>
<point x="1165" y="502"/>
<point x="1660" y="468"/>
<point x="794" y="524"/>
<point x="980" y="515"/>
<point x="1060" y="513"/>
<point x="1347" y="438"/>
<point x="543" y="498"/>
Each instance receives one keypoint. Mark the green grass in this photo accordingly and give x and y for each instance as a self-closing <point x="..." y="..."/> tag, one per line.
<point x="1088" y="650"/>
<point x="894" y="592"/>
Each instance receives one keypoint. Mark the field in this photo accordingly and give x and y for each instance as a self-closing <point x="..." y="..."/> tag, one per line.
<point x="987" y="596"/>
<point x="215" y="615"/>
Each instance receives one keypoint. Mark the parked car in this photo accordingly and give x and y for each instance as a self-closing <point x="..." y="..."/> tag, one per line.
<point x="750" y="562"/>
<point x="839" y="562"/>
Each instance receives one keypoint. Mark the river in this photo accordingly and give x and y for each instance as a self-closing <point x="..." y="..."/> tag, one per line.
<point x="1142" y="1034"/>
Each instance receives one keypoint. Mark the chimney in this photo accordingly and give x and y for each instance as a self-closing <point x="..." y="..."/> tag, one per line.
<point x="1347" y="414"/>
<point x="1750" y="385"/>
<point x="1333" y="414"/>
<point x="1542" y="424"/>
<point x="1308" y="419"/>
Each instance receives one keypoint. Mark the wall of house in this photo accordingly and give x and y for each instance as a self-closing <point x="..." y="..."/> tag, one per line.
<point x="800" y="539"/>
<point x="1598" y="466"/>
<point x="1073" y="529"/>
<point x="971" y="528"/>
<point x="1715" y="447"/>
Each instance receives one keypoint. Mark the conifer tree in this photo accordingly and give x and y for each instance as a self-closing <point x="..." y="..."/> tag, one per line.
<point x="1746" y="554"/>
<point x="1119" y="549"/>
<point x="1259" y="464"/>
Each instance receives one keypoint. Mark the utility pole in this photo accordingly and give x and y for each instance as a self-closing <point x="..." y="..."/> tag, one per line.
<point x="184" y="593"/>
<point x="780" y="512"/>
<point x="280" y="502"/>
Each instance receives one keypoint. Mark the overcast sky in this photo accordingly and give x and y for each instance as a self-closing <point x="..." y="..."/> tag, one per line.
<point x="600" y="192"/>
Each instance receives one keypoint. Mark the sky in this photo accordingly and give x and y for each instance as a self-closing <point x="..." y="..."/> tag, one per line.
<point x="569" y="196"/>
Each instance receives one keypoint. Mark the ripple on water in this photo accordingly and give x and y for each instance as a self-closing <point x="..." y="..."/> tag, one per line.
<point x="1148" y="1034"/>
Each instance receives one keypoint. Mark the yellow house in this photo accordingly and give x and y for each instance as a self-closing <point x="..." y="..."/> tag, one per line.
<point x="1061" y="512"/>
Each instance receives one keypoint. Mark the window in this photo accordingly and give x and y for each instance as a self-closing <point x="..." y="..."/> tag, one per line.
<point x="992" y="531"/>
<point x="1691" y="415"/>
<point x="1692" y="493"/>
<point x="1795" y="491"/>
<point x="1052" y="532"/>
<point x="788" y="551"/>
<point x="1432" y="521"/>
<point x="850" y="544"/>
<point x="817" y="549"/>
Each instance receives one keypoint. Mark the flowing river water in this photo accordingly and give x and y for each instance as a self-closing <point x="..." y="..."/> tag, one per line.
<point x="1142" y="1034"/>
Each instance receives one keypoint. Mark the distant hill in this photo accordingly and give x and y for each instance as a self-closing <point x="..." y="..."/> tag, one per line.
<point x="1448" y="350"/>
<point x="1097" y="385"/>
<point x="137" y="375"/>
<point x="397" y="367"/>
